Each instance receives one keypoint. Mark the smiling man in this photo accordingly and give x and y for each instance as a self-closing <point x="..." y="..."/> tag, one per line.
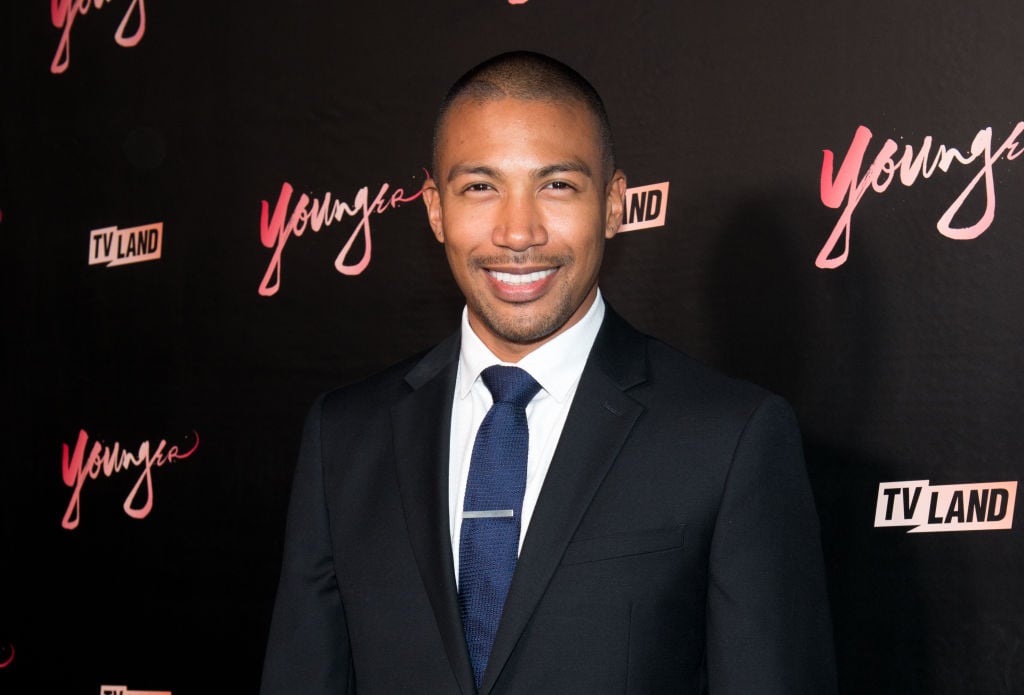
<point x="526" y="201"/>
<point x="548" y="501"/>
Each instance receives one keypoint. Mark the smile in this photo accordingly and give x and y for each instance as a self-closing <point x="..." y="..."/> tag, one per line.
<point x="523" y="279"/>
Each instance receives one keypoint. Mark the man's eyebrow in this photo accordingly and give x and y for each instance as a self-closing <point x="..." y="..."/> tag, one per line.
<point x="570" y="166"/>
<point x="472" y="170"/>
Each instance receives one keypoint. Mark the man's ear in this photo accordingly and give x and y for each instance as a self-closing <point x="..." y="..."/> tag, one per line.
<point x="615" y="203"/>
<point x="432" y="200"/>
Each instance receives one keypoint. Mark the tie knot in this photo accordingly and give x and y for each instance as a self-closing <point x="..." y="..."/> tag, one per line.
<point x="510" y="385"/>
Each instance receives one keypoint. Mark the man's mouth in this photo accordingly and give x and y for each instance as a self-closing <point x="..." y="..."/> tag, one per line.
<point x="520" y="278"/>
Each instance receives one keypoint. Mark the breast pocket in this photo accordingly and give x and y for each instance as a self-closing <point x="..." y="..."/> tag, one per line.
<point x="621" y="545"/>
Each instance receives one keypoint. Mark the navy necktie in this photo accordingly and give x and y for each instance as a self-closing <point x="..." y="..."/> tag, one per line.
<point x="489" y="541"/>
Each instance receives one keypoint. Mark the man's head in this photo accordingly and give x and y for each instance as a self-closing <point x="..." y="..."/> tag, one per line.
<point x="523" y="196"/>
<point x="529" y="76"/>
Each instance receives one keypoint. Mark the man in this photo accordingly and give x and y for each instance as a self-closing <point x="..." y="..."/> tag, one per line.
<point x="667" y="537"/>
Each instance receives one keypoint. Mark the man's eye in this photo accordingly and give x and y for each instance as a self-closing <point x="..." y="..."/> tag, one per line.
<point x="560" y="185"/>
<point x="478" y="187"/>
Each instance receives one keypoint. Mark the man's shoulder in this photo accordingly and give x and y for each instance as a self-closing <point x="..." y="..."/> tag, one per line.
<point x="643" y="362"/>
<point x="626" y="348"/>
<point x="678" y="382"/>
<point x="393" y="381"/>
<point x="677" y="367"/>
<point x="680" y="387"/>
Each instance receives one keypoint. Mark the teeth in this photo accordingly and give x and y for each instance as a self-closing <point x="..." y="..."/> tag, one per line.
<point x="512" y="279"/>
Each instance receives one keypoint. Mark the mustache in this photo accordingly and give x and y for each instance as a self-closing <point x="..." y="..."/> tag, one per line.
<point x="525" y="258"/>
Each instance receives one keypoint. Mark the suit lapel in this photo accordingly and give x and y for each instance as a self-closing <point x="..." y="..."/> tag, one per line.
<point x="599" y="421"/>
<point x="422" y="423"/>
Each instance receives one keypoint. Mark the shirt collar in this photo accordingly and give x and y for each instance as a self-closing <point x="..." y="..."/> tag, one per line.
<point x="556" y="365"/>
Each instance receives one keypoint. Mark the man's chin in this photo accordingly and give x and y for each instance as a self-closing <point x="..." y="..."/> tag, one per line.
<point x="524" y="331"/>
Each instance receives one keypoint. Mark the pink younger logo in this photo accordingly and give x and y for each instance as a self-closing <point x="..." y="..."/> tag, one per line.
<point x="288" y="221"/>
<point x="107" y="460"/>
<point x="63" y="13"/>
<point x="847" y="186"/>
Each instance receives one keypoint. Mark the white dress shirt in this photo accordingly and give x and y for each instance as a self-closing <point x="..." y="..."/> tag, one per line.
<point x="557" y="366"/>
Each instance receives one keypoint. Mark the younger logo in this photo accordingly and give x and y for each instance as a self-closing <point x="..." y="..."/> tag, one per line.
<point x="112" y="246"/>
<point x="63" y="13"/>
<point x="645" y="207"/>
<point x="889" y="165"/>
<point x="291" y="220"/>
<point x="123" y="690"/>
<point x="77" y="467"/>
<point x="931" y="508"/>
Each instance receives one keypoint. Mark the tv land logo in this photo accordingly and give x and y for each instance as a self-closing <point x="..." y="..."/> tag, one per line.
<point x="646" y="207"/>
<point x="111" y="246"/>
<point x="937" y="508"/>
<point x="848" y="185"/>
<point x="63" y="13"/>
<point x="110" y="460"/>
<point x="123" y="690"/>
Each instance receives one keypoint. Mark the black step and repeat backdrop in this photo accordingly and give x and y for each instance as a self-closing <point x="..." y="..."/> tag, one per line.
<point x="210" y="214"/>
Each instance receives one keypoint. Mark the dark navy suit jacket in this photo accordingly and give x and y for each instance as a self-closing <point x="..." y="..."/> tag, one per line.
<point x="675" y="546"/>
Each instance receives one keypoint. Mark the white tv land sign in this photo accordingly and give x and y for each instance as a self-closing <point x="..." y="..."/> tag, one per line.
<point x="111" y="246"/>
<point x="936" y="508"/>
<point x="646" y="207"/>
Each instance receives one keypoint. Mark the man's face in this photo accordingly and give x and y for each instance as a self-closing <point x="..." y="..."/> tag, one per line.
<point x="520" y="203"/>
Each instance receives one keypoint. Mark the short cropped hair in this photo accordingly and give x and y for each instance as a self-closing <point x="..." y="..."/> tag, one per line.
<point x="528" y="76"/>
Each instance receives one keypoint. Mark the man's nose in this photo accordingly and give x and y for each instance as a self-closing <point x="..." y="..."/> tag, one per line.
<point x="520" y="224"/>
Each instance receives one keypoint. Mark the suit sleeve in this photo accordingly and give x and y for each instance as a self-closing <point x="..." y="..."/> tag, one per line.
<point x="308" y="646"/>
<point x="769" y="620"/>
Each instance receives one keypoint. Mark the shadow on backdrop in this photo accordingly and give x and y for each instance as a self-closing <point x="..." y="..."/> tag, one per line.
<point x="807" y="334"/>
